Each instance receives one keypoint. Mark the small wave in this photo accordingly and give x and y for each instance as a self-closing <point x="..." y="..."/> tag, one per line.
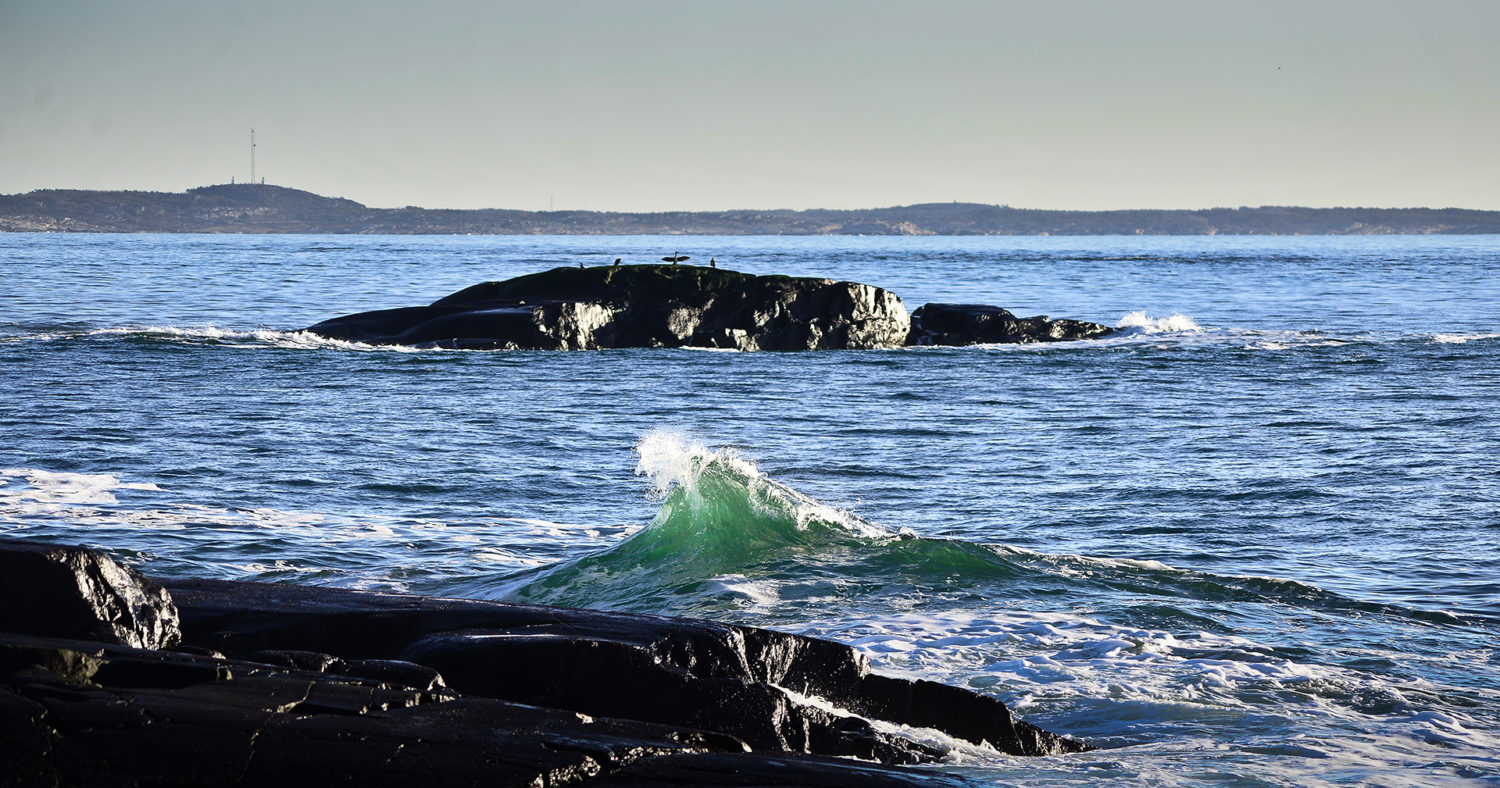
<point x="306" y="340"/>
<point x="1173" y="324"/>
<point x="692" y="349"/>
<point x="1158" y="578"/>
<point x="1459" y="339"/>
<point x="250" y="339"/>
<point x="172" y="332"/>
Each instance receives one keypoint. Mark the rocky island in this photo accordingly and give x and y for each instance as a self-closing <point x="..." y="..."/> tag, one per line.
<point x="262" y="208"/>
<point x="688" y="306"/>
<point x="108" y="677"/>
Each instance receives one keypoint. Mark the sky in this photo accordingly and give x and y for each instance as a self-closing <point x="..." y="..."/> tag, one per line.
<point x="657" y="105"/>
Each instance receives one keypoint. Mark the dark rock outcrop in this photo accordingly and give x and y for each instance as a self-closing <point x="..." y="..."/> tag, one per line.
<point x="641" y="306"/>
<point x="74" y="713"/>
<point x="682" y="306"/>
<point x="71" y="592"/>
<point x="740" y="680"/>
<point x="979" y="324"/>
<point x="284" y="684"/>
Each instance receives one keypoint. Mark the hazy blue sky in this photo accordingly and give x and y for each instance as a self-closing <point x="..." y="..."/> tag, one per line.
<point x="709" y="105"/>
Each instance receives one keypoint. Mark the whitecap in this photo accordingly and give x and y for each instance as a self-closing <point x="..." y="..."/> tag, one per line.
<point x="1172" y="324"/>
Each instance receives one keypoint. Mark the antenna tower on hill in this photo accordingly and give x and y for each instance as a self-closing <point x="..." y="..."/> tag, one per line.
<point x="252" y="155"/>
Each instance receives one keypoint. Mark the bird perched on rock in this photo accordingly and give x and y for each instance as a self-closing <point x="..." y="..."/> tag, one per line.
<point x="675" y="258"/>
<point x="712" y="263"/>
<point x="617" y="262"/>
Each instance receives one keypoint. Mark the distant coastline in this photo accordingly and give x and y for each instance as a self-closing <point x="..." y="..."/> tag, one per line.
<point x="257" y="208"/>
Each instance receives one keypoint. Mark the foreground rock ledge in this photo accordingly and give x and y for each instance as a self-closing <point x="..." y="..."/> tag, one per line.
<point x="688" y="306"/>
<point x="272" y="684"/>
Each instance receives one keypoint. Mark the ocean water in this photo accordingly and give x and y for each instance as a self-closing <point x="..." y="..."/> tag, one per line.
<point x="1251" y="541"/>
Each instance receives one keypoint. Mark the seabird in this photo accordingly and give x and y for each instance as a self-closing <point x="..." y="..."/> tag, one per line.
<point x="580" y="263"/>
<point x="617" y="262"/>
<point x="675" y="258"/>
<point x="712" y="263"/>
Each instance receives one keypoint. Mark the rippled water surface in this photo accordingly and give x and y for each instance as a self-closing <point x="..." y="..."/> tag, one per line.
<point x="1251" y="541"/>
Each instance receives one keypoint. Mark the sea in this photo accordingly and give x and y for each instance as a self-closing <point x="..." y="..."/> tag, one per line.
<point x="1253" y="539"/>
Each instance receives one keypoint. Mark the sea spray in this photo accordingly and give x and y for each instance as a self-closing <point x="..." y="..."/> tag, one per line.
<point x="1175" y="323"/>
<point x="669" y="459"/>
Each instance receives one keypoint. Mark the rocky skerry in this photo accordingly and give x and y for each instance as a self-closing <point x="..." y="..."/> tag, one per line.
<point x="605" y="307"/>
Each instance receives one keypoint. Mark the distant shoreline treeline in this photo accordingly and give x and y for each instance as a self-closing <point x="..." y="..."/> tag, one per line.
<point x="255" y="208"/>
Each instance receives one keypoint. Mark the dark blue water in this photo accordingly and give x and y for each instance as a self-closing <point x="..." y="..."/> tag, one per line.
<point x="1253" y="541"/>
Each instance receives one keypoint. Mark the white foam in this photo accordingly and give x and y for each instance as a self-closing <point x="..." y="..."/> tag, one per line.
<point x="203" y="332"/>
<point x="761" y="594"/>
<point x="257" y="568"/>
<point x="959" y="751"/>
<point x="1451" y="728"/>
<point x="1061" y="560"/>
<point x="48" y="490"/>
<point x="1153" y="685"/>
<point x="1173" y="324"/>
<point x="521" y="559"/>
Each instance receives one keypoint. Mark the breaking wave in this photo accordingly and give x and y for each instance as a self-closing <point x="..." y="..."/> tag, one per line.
<point x="727" y="536"/>
<point x="731" y="543"/>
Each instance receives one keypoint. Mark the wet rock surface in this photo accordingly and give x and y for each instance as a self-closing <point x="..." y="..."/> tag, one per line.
<point x="277" y="684"/>
<point x="77" y="593"/>
<point x="683" y="306"/>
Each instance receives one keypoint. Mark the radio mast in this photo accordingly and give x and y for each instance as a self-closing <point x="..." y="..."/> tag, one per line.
<point x="252" y="155"/>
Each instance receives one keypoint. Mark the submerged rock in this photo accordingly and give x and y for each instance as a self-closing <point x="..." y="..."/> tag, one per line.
<point x="668" y="306"/>
<point x="980" y="324"/>
<point x="277" y="684"/>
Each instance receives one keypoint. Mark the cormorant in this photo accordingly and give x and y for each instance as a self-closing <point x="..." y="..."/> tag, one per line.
<point x="675" y="258"/>
<point x="617" y="262"/>
<point x="712" y="263"/>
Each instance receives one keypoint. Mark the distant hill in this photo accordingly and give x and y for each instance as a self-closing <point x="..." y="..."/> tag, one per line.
<point x="256" y="208"/>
